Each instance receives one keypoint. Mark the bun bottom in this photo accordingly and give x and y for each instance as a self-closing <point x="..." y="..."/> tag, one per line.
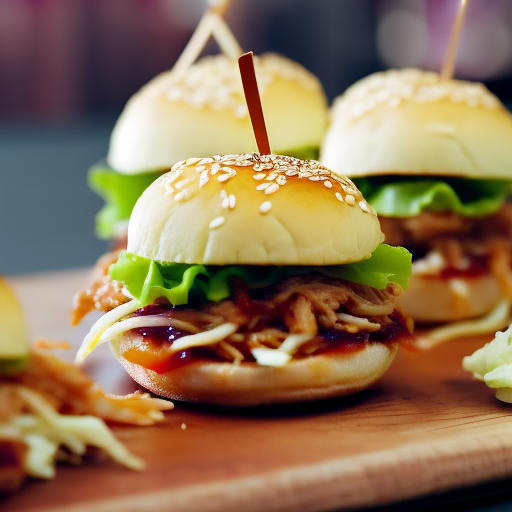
<point x="249" y="384"/>
<point x="432" y="300"/>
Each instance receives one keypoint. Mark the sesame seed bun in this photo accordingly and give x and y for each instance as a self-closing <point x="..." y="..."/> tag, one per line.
<point x="247" y="209"/>
<point x="248" y="384"/>
<point x="205" y="113"/>
<point x="433" y="299"/>
<point x="411" y="122"/>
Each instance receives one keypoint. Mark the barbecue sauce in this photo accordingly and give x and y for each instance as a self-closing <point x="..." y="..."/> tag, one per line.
<point x="155" y="355"/>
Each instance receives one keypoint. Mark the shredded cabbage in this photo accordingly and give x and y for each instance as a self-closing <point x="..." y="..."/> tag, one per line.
<point x="181" y="283"/>
<point x="491" y="356"/>
<point x="407" y="196"/>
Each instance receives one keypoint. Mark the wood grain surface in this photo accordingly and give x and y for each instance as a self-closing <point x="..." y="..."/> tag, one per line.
<point x="426" y="427"/>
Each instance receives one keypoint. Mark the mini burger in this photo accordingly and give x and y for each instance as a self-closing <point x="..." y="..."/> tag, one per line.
<point x="254" y="279"/>
<point x="200" y="113"/>
<point x="434" y="159"/>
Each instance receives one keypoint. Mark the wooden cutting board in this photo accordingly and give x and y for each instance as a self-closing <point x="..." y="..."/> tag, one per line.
<point x="427" y="427"/>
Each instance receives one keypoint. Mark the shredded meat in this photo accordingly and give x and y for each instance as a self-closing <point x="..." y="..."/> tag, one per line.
<point x="103" y="294"/>
<point x="299" y="317"/>
<point x="458" y="239"/>
<point x="70" y="391"/>
<point x="49" y="387"/>
<point x="309" y="304"/>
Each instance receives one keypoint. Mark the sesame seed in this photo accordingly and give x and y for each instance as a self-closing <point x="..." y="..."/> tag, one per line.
<point x="204" y="179"/>
<point x="191" y="161"/>
<point x="225" y="203"/>
<point x="206" y="161"/>
<point x="215" y="169"/>
<point x="273" y="187"/>
<point x="259" y="176"/>
<point x="216" y="157"/>
<point x="182" y="183"/>
<point x="184" y="194"/>
<point x="351" y="200"/>
<point x="232" y="202"/>
<point x="364" y="206"/>
<point x="272" y="176"/>
<point x="339" y="197"/>
<point x="200" y="168"/>
<point x="265" y="207"/>
<point x="223" y="177"/>
<point x="223" y="194"/>
<point x="179" y="164"/>
<point x="229" y="170"/>
<point x="216" y="223"/>
<point x="241" y="111"/>
<point x="263" y="186"/>
<point x="183" y="426"/>
<point x="327" y="184"/>
<point x="281" y="180"/>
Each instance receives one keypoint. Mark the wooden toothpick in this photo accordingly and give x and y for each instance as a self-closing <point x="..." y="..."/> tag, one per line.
<point x="253" y="100"/>
<point x="449" y="61"/>
<point x="199" y="38"/>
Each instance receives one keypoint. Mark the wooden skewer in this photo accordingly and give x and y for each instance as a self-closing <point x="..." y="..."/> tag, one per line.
<point x="252" y="97"/>
<point x="449" y="61"/>
<point x="199" y="38"/>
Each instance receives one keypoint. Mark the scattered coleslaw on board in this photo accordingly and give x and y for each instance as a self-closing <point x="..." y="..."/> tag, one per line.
<point x="492" y="364"/>
<point x="51" y="410"/>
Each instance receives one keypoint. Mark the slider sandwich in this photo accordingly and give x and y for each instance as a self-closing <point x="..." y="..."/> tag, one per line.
<point x="254" y="279"/>
<point x="434" y="158"/>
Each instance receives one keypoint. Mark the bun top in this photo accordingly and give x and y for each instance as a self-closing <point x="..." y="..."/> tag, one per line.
<point x="412" y="122"/>
<point x="255" y="210"/>
<point x="205" y="112"/>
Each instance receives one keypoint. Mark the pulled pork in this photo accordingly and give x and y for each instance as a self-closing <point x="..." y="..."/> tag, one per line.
<point x="103" y="294"/>
<point x="309" y="304"/>
<point x="459" y="240"/>
<point x="68" y="390"/>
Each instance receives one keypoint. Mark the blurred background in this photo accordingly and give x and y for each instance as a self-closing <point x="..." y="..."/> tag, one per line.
<point x="67" y="67"/>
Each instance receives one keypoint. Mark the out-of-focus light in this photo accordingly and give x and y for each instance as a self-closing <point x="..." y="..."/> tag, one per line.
<point x="485" y="50"/>
<point x="402" y="38"/>
<point x="185" y="13"/>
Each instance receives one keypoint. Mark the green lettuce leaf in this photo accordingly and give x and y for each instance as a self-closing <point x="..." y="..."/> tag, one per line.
<point x="120" y="192"/>
<point x="386" y="265"/>
<point x="407" y="196"/>
<point x="182" y="283"/>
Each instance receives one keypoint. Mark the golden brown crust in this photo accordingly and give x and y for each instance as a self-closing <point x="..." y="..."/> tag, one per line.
<point x="252" y="210"/>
